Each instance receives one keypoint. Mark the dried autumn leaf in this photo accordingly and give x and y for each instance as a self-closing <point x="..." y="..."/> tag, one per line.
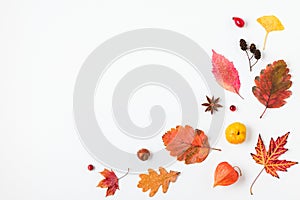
<point x="153" y="180"/>
<point x="226" y="175"/>
<point x="269" y="159"/>
<point x="225" y="73"/>
<point x="272" y="85"/>
<point x="270" y="23"/>
<point x="110" y="181"/>
<point x="187" y="144"/>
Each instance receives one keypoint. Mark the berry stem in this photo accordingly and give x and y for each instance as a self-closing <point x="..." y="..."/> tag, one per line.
<point x="124" y="175"/>
<point x="240" y="171"/>
<point x="253" y="65"/>
<point x="249" y="60"/>
<point x="255" y="180"/>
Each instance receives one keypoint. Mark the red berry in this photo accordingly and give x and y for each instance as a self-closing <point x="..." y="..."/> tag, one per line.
<point x="232" y="108"/>
<point x="90" y="167"/>
<point x="239" y="21"/>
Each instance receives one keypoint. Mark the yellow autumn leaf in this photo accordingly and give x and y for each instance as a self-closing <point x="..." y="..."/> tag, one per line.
<point x="270" y="23"/>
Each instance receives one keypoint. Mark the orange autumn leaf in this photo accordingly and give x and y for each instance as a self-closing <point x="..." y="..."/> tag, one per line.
<point x="169" y="136"/>
<point x="187" y="144"/>
<point x="225" y="174"/>
<point x="153" y="180"/>
<point x="269" y="159"/>
<point x="110" y="181"/>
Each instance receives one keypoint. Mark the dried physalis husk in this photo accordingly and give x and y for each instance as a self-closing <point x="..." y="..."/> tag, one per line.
<point x="226" y="175"/>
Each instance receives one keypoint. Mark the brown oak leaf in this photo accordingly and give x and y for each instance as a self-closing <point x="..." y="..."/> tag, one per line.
<point x="153" y="180"/>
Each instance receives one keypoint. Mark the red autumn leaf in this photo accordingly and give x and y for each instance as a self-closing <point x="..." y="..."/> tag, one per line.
<point x="187" y="144"/>
<point x="225" y="73"/>
<point x="269" y="159"/>
<point x="272" y="85"/>
<point x="111" y="181"/>
<point x="226" y="175"/>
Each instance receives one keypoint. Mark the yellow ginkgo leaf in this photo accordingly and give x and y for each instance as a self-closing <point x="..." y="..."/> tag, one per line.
<point x="270" y="23"/>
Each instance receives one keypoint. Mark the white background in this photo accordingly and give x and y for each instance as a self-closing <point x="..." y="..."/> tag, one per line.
<point x="42" y="47"/>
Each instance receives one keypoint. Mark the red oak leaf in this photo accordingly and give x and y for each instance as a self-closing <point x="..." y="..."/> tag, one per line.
<point x="269" y="159"/>
<point x="111" y="181"/>
<point x="272" y="85"/>
<point x="187" y="144"/>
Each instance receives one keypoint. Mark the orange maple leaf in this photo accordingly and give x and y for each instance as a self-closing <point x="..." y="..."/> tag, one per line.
<point x="153" y="180"/>
<point x="111" y="181"/>
<point x="269" y="159"/>
<point x="187" y="144"/>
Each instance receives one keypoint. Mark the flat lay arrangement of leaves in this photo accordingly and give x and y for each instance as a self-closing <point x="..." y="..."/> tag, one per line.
<point x="191" y="145"/>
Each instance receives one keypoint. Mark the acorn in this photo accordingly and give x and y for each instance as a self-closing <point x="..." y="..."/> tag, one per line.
<point x="143" y="154"/>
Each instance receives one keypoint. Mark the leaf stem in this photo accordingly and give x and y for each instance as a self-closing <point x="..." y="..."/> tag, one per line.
<point x="265" y="40"/>
<point x="255" y="180"/>
<point x="212" y="148"/>
<point x="238" y="93"/>
<point x="215" y="149"/>
<point x="124" y="175"/>
<point x="263" y="112"/>
<point x="204" y="147"/>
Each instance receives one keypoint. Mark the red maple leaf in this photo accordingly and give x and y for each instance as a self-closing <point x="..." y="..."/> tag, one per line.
<point x="111" y="181"/>
<point x="269" y="159"/>
<point x="187" y="144"/>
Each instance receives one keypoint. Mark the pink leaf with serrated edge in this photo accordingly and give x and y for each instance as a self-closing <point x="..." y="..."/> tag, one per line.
<point x="225" y="73"/>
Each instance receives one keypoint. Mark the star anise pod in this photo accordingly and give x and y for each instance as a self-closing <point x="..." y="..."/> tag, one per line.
<point x="212" y="105"/>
